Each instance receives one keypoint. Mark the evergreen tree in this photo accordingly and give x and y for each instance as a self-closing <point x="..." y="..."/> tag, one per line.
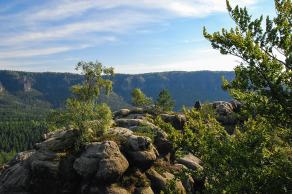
<point x="139" y="98"/>
<point x="165" y="101"/>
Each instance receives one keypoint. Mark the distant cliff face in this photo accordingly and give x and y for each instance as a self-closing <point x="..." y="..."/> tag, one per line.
<point x="185" y="87"/>
<point x="27" y="84"/>
<point x="1" y="88"/>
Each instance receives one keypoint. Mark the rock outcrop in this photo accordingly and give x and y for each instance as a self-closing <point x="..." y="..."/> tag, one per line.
<point x="125" y="162"/>
<point x="226" y="111"/>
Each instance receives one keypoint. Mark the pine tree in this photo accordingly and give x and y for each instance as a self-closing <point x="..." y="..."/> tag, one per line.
<point x="165" y="101"/>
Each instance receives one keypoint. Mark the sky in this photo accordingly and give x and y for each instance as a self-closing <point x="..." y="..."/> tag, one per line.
<point x="133" y="36"/>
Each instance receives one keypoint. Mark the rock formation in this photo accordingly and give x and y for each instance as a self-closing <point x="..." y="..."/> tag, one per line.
<point x="126" y="161"/>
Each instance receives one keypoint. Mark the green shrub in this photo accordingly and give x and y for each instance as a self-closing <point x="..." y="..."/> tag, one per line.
<point x="255" y="159"/>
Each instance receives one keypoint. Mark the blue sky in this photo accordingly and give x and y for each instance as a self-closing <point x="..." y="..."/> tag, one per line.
<point x="133" y="36"/>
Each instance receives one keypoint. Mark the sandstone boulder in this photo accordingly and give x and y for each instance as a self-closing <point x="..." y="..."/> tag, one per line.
<point x="15" y="179"/>
<point x="115" y="189"/>
<point x="144" y="190"/>
<point x="191" y="162"/>
<point x="120" y="131"/>
<point x="160" y="181"/>
<point x="122" y="113"/>
<point x="177" y="121"/>
<point x="141" y="152"/>
<point x="128" y="123"/>
<point x="59" y="140"/>
<point x="104" y="160"/>
<point x="222" y="107"/>
<point x="161" y="142"/>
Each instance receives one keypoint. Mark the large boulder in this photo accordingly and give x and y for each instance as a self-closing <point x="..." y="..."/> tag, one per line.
<point x="58" y="140"/>
<point x="116" y="189"/>
<point x="160" y="181"/>
<point x="138" y="143"/>
<point x="222" y="107"/>
<point x="188" y="181"/>
<point x="161" y="142"/>
<point x="122" y="113"/>
<point x="191" y="162"/>
<point x="177" y="121"/>
<point x="144" y="190"/>
<point x="226" y="112"/>
<point x="140" y="151"/>
<point x="45" y="172"/>
<point x="15" y="179"/>
<point x="120" y="132"/>
<point x="236" y="105"/>
<point x="103" y="160"/>
<point x="130" y="123"/>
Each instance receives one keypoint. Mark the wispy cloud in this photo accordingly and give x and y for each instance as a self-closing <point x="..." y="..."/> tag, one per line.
<point x="40" y="29"/>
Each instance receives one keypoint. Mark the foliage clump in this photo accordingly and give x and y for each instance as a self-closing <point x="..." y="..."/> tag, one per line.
<point x="164" y="101"/>
<point x="263" y="79"/>
<point x="256" y="158"/>
<point x="81" y="110"/>
<point x="139" y="99"/>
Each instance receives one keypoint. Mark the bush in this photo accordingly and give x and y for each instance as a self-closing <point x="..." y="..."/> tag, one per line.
<point x="255" y="159"/>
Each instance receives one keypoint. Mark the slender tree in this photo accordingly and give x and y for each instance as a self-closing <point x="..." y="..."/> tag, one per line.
<point x="82" y="111"/>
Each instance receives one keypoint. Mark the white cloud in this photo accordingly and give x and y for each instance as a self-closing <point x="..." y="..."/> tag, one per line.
<point x="198" y="60"/>
<point x="20" y="53"/>
<point x="62" y="9"/>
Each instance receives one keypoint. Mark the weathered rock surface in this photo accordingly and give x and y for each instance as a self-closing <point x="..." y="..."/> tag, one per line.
<point x="160" y="181"/>
<point x="14" y="179"/>
<point x="144" y="190"/>
<point x="191" y="162"/>
<point x="226" y="111"/>
<point x="161" y="142"/>
<point x="177" y="120"/>
<point x="141" y="152"/>
<point x="59" y="140"/>
<point x="104" y="160"/>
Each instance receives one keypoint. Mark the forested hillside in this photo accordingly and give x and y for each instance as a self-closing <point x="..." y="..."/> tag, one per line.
<point x="185" y="87"/>
<point x="26" y="98"/>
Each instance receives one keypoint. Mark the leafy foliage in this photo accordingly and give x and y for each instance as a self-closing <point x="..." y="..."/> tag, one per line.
<point x="139" y="98"/>
<point x="263" y="79"/>
<point x="255" y="159"/>
<point x="165" y="101"/>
